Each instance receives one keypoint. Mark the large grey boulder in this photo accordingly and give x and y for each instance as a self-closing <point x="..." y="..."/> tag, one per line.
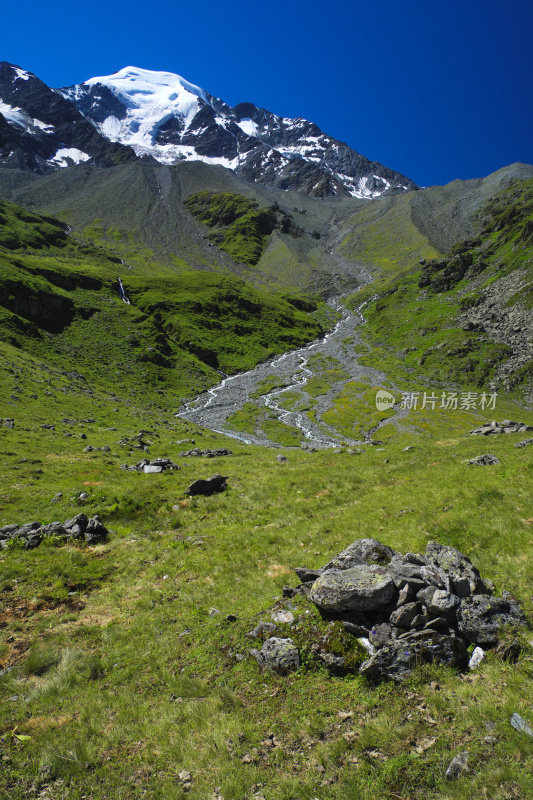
<point x="480" y="618"/>
<point x="359" y="588"/>
<point x="279" y="655"/>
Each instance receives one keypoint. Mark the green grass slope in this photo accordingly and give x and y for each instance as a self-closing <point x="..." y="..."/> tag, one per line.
<point x="466" y="317"/>
<point x="124" y="667"/>
<point x="59" y="301"/>
<point x="124" y="671"/>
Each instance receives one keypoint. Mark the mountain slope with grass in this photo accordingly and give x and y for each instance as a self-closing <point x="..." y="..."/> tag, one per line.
<point x="59" y="301"/>
<point x="465" y="317"/>
<point x="125" y="667"/>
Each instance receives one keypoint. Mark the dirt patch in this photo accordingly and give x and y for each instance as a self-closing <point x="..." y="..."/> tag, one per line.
<point x="275" y="570"/>
<point x="15" y="653"/>
<point x="43" y="723"/>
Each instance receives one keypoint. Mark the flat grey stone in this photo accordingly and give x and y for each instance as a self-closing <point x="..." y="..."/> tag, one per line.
<point x="360" y="588"/>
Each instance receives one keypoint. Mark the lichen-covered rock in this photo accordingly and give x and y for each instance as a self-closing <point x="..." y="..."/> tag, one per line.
<point x="395" y="660"/>
<point x="359" y="588"/>
<point x="443" y="604"/>
<point x="484" y="460"/>
<point x="279" y="655"/>
<point x="362" y="551"/>
<point x="480" y="618"/>
<point x="455" y="566"/>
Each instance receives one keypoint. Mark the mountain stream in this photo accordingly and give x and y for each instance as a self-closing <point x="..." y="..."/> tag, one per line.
<point x="291" y="372"/>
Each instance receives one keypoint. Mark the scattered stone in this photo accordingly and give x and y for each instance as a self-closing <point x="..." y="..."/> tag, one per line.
<point x="156" y="465"/>
<point x="262" y="630"/>
<point x="48" y="427"/>
<point x="507" y="426"/>
<point x="57" y="497"/>
<point x="137" y="442"/>
<point x="283" y="617"/>
<point x="281" y="459"/>
<point x="524" y="443"/>
<point x="520" y="724"/>
<point x="7" y="422"/>
<point x="458" y="766"/>
<point x="407" y="449"/>
<point x="91" y="449"/>
<point x="476" y="658"/>
<point x="279" y="655"/>
<point x="216" y="483"/>
<point x="31" y="534"/>
<point x="213" y="612"/>
<point x="205" y="453"/>
<point x="185" y="441"/>
<point x="484" y="460"/>
<point x="83" y="496"/>
<point x="185" y="779"/>
<point x="83" y="435"/>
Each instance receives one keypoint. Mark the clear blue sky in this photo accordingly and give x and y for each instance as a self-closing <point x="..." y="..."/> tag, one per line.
<point x="436" y="89"/>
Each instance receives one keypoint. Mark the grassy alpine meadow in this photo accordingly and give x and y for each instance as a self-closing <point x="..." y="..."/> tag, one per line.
<point x="125" y="666"/>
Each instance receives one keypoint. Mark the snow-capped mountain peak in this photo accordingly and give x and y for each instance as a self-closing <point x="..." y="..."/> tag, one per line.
<point x="142" y="112"/>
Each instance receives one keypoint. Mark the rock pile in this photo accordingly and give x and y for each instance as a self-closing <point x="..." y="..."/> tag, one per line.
<point x="31" y="534"/>
<point x="507" y="426"/>
<point x="196" y="451"/>
<point x="408" y="608"/>
<point x="156" y="465"/>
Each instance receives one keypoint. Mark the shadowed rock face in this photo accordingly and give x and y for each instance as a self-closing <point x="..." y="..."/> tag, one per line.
<point x="42" y="122"/>
<point x="480" y="617"/>
<point x="216" y="483"/>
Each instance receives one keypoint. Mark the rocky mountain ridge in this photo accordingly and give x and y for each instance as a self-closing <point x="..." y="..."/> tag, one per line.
<point x="157" y="114"/>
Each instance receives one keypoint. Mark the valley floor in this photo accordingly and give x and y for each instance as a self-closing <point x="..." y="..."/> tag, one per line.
<point x="125" y="666"/>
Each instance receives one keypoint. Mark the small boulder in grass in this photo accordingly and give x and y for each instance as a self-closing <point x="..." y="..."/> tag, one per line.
<point x="278" y="655"/>
<point x="458" y="766"/>
<point x="485" y="460"/>
<point x="216" y="483"/>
